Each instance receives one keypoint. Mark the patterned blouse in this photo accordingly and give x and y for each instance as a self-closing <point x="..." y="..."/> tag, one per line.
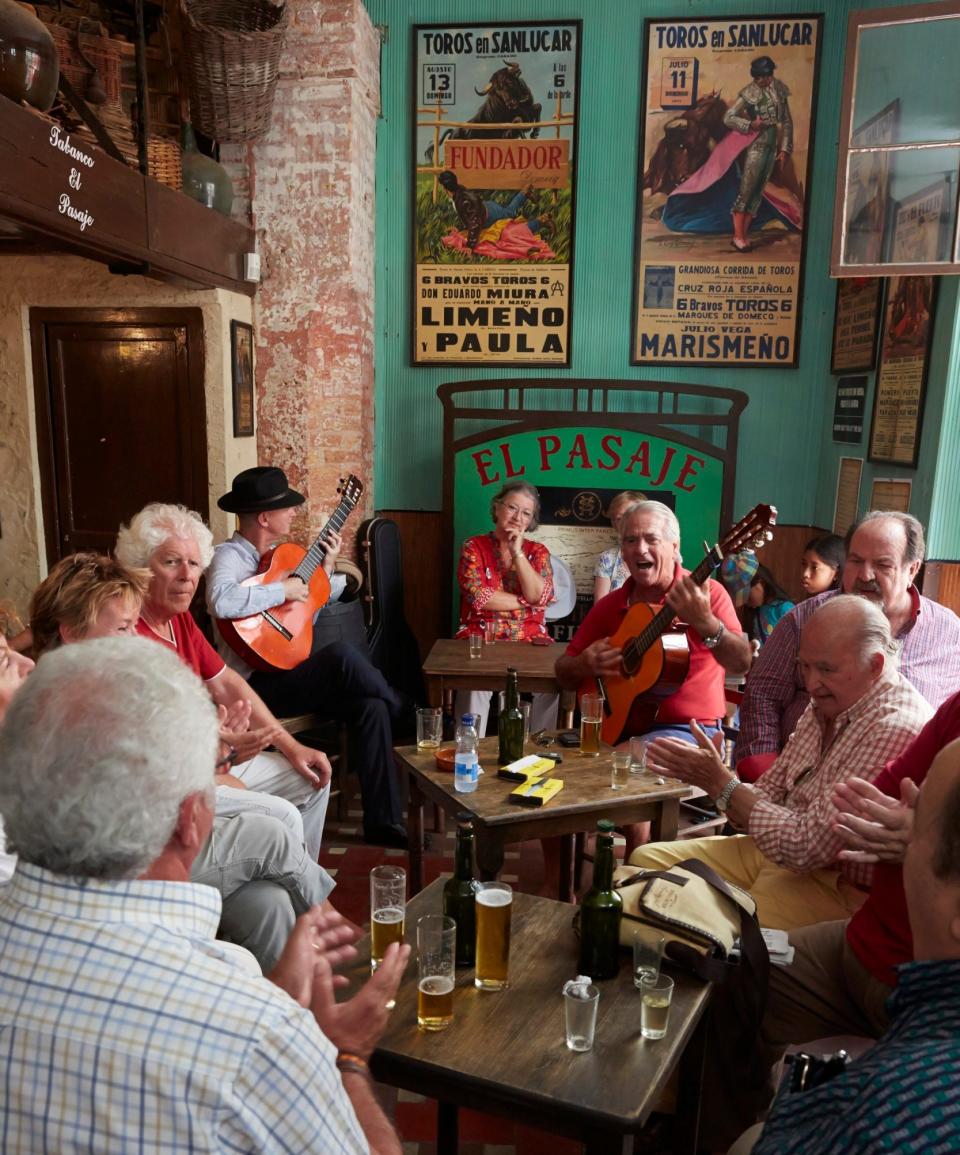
<point x="481" y="575"/>
<point x="610" y="565"/>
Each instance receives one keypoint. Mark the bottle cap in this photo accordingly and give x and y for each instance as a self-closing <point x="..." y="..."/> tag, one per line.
<point x="464" y="817"/>
<point x="579" y="987"/>
<point x="467" y="719"/>
<point x="605" y="826"/>
<point x="511" y="670"/>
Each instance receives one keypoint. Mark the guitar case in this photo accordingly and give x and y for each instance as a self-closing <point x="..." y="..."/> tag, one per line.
<point x="393" y="647"/>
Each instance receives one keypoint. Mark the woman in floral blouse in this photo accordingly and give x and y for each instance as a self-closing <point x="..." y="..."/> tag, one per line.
<point x="506" y="583"/>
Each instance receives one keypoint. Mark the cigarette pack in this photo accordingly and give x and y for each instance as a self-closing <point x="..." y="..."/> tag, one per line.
<point x="532" y="766"/>
<point x="536" y="791"/>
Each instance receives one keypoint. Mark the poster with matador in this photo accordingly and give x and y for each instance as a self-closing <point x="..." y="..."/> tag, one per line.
<point x="724" y="187"/>
<point x="495" y="136"/>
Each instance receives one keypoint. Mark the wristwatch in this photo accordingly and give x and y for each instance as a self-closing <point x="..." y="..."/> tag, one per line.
<point x="713" y="640"/>
<point x="722" y="800"/>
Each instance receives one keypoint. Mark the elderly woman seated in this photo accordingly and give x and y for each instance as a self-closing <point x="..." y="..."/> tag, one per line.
<point x="175" y="546"/>
<point x="506" y="584"/>
<point x="259" y="864"/>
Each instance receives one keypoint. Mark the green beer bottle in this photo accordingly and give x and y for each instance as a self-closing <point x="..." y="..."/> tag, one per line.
<point x="511" y="722"/>
<point x="600" y="913"/>
<point x="459" y="901"/>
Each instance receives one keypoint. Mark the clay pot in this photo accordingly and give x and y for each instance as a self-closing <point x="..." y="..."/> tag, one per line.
<point x="204" y="179"/>
<point x="29" y="64"/>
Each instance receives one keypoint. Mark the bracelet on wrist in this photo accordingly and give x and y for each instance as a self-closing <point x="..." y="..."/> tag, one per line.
<point x="354" y="1064"/>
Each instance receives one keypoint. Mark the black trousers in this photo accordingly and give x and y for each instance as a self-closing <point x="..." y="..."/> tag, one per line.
<point x="339" y="682"/>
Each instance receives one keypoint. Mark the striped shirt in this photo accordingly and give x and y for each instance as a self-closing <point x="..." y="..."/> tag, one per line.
<point x="792" y="823"/>
<point x="902" y="1096"/>
<point x="122" y="1028"/>
<point x="774" y="697"/>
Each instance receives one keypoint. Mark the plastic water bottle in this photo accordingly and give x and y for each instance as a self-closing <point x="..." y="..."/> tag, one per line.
<point x="466" y="763"/>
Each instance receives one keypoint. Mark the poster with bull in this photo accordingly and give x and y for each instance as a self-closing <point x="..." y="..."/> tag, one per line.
<point x="724" y="189"/>
<point x="495" y="160"/>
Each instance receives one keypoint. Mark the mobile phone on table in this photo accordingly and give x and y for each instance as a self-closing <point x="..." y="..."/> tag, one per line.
<point x="569" y="737"/>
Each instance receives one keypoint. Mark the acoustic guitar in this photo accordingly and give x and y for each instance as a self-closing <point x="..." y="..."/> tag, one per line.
<point x="281" y="638"/>
<point x="655" y="652"/>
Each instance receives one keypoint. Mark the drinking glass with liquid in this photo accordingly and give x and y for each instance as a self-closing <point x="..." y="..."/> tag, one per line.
<point x="656" y="995"/>
<point x="591" y="717"/>
<point x="436" y="951"/>
<point x="494" y="905"/>
<point x="388" y="904"/>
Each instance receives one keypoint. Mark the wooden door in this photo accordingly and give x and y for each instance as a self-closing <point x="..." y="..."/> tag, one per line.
<point x="120" y="418"/>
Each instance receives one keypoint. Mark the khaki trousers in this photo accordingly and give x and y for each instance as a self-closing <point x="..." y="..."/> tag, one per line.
<point x="785" y="900"/>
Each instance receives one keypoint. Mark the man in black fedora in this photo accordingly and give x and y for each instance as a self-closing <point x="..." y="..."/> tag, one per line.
<point x="336" y="682"/>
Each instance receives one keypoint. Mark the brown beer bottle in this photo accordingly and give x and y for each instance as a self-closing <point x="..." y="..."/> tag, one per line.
<point x="459" y="892"/>
<point x="510" y="727"/>
<point x="600" y="913"/>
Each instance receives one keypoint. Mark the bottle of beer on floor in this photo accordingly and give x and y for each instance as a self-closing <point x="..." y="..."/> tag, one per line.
<point x="511" y="722"/>
<point x="600" y="913"/>
<point x="459" y="901"/>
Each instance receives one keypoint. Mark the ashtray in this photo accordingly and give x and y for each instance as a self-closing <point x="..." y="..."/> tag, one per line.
<point x="445" y="757"/>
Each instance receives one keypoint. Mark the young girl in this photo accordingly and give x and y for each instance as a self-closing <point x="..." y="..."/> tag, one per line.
<point x="611" y="571"/>
<point x="766" y="604"/>
<point x="822" y="563"/>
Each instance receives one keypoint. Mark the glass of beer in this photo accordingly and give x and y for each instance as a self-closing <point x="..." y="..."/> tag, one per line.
<point x="436" y="963"/>
<point x="388" y="901"/>
<point x="494" y="904"/>
<point x="591" y="714"/>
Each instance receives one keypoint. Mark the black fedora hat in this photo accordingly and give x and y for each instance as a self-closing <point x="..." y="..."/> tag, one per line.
<point x="260" y="489"/>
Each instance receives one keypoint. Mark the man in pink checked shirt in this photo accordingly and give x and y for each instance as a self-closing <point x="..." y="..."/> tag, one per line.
<point x="862" y="713"/>
<point x="884" y="552"/>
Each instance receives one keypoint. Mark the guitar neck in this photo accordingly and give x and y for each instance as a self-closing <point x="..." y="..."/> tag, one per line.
<point x="314" y="556"/>
<point x="658" y="625"/>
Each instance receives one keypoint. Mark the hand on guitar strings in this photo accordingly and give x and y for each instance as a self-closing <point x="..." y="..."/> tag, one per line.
<point x="601" y="659"/>
<point x="333" y="544"/>
<point x="295" y="589"/>
<point x="691" y="603"/>
<point x="699" y="765"/>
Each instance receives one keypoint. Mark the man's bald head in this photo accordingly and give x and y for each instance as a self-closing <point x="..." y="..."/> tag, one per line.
<point x="931" y="869"/>
<point x="845" y="649"/>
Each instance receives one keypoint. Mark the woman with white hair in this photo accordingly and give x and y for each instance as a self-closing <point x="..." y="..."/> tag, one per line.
<point x="175" y="545"/>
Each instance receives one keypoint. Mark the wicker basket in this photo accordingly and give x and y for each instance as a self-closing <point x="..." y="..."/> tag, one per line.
<point x="102" y="52"/>
<point x="232" y="50"/>
<point x="164" y="161"/>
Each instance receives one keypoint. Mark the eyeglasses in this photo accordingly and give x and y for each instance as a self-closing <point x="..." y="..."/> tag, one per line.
<point x="223" y="764"/>
<point x="516" y="511"/>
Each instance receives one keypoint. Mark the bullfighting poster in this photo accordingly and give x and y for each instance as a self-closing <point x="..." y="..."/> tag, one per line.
<point x="495" y="144"/>
<point x="723" y="189"/>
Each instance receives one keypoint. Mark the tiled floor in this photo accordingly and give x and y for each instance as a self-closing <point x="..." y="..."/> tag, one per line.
<point x="350" y="860"/>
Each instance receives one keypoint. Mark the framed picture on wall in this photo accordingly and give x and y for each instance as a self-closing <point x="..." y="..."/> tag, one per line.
<point x="724" y="189"/>
<point x="494" y="172"/>
<point x="241" y="362"/>
<point x="905" y="343"/>
<point x="921" y="227"/>
<point x="856" y="323"/>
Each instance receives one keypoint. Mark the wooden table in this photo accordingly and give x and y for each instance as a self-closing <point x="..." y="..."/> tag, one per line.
<point x="586" y="796"/>
<point x="505" y="1052"/>
<point x="449" y="667"/>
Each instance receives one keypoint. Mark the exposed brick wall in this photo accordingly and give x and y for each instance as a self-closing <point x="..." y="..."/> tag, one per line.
<point x="308" y="189"/>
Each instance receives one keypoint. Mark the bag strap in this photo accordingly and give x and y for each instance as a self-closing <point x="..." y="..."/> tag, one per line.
<point x="645" y="875"/>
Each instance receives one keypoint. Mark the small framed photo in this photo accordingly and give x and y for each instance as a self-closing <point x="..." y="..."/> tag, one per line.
<point x="856" y="323"/>
<point x="241" y="360"/>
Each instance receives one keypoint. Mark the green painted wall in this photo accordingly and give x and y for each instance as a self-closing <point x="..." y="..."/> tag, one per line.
<point x="786" y="455"/>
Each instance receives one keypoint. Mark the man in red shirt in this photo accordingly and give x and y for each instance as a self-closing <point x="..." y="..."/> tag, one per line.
<point x="650" y="547"/>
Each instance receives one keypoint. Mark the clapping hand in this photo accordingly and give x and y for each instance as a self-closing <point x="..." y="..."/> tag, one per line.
<point x="874" y="826"/>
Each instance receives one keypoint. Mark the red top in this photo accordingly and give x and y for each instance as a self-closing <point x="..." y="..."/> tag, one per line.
<point x="703" y="694"/>
<point x="879" y="933"/>
<point x="481" y="575"/>
<point x="189" y="645"/>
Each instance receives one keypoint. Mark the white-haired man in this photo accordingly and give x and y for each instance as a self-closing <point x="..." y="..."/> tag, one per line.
<point x="175" y="545"/>
<point x="862" y="713"/>
<point x="150" y="1039"/>
<point x="650" y="546"/>
<point x="884" y="552"/>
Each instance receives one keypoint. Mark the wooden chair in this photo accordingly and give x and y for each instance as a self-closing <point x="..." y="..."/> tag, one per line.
<point x="331" y="738"/>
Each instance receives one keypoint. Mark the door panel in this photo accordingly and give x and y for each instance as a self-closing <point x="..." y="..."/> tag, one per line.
<point x="120" y="419"/>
